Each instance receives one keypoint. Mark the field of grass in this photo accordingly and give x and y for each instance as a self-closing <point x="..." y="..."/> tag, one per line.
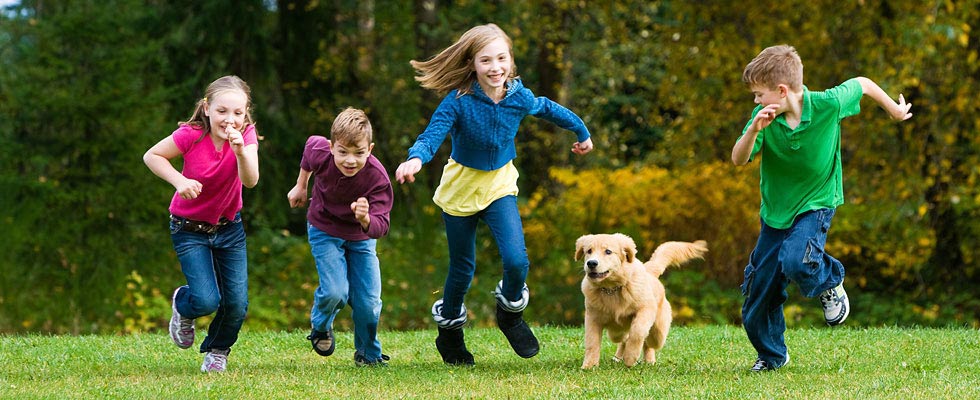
<point x="698" y="362"/>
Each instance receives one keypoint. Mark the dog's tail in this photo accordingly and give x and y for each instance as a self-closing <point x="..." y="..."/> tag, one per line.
<point x="674" y="254"/>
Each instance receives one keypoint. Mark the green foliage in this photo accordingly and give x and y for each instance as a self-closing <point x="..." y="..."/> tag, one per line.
<point x="87" y="86"/>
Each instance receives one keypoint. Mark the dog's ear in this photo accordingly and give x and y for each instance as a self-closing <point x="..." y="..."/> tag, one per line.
<point x="580" y="246"/>
<point x="629" y="247"/>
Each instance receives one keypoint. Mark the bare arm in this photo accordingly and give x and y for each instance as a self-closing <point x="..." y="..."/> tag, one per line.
<point x="298" y="195"/>
<point x="158" y="157"/>
<point x="247" y="156"/>
<point x="898" y="111"/>
<point x="743" y="148"/>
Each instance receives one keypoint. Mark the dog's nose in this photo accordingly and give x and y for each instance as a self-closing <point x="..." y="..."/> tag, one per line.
<point x="592" y="264"/>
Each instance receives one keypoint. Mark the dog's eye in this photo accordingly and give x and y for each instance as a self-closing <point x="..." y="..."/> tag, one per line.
<point x="589" y="251"/>
<point x="608" y="252"/>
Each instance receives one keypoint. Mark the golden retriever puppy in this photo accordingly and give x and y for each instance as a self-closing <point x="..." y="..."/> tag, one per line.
<point x="625" y="296"/>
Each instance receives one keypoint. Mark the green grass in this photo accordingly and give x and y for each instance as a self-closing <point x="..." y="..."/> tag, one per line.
<point x="698" y="362"/>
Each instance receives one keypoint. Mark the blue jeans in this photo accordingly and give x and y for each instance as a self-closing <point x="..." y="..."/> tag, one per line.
<point x="504" y="221"/>
<point x="216" y="268"/>
<point x="780" y="256"/>
<point x="349" y="274"/>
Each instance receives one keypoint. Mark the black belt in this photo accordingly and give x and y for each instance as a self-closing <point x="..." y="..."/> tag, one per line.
<point x="199" y="226"/>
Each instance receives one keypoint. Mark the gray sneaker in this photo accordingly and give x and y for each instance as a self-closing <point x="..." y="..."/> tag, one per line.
<point x="215" y="360"/>
<point x="763" y="366"/>
<point x="181" y="329"/>
<point x="835" y="305"/>
<point x="361" y="361"/>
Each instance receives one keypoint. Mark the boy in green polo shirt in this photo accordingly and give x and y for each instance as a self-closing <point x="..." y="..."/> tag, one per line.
<point x="797" y="134"/>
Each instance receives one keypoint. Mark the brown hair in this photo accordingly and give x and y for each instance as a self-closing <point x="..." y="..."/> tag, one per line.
<point x="225" y="83"/>
<point x="452" y="68"/>
<point x="350" y="127"/>
<point x="773" y="66"/>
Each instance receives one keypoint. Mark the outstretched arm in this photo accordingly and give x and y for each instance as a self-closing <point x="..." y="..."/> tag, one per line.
<point x="898" y="111"/>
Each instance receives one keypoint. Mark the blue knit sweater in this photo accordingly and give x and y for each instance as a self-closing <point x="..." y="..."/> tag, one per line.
<point x="483" y="132"/>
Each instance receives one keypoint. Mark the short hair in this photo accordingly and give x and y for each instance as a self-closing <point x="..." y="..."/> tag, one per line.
<point x="350" y="127"/>
<point x="773" y="66"/>
<point x="452" y="68"/>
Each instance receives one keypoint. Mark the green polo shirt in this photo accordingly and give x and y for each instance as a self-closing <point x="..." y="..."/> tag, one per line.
<point x="801" y="168"/>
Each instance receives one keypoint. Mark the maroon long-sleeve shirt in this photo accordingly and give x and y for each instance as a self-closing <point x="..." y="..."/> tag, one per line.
<point x="333" y="194"/>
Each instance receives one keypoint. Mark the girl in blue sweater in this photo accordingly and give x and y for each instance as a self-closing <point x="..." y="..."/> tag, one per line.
<point x="482" y="111"/>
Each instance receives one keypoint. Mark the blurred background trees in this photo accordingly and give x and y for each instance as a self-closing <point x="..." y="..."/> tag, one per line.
<point x="87" y="86"/>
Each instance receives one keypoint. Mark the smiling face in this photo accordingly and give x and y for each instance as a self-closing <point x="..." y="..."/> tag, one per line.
<point x="350" y="158"/>
<point x="227" y="109"/>
<point x="493" y="65"/>
<point x="604" y="254"/>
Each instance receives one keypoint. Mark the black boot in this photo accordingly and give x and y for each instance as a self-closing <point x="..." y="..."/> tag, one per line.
<point x="452" y="348"/>
<point x="517" y="332"/>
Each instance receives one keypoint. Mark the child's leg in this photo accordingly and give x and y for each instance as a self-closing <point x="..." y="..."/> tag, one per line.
<point x="802" y="254"/>
<point x="449" y="311"/>
<point x="331" y="266"/>
<point x="765" y="292"/>
<point x="231" y="269"/>
<point x="504" y="220"/>
<point x="461" y="236"/>
<point x="364" y="275"/>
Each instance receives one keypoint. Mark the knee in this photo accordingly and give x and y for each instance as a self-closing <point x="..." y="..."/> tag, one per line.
<point x="516" y="263"/>
<point x="332" y="294"/>
<point x="205" y="305"/>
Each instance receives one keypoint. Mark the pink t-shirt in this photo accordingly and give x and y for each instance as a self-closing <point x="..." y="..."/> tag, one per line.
<point x="221" y="188"/>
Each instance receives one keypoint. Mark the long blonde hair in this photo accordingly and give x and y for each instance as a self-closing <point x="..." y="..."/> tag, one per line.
<point x="452" y="68"/>
<point x="225" y="83"/>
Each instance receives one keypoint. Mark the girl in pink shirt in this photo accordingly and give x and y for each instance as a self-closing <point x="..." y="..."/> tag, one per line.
<point x="219" y="147"/>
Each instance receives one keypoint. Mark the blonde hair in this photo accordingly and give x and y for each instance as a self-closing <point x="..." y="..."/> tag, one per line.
<point x="225" y="83"/>
<point x="773" y="66"/>
<point x="452" y="68"/>
<point x="350" y="127"/>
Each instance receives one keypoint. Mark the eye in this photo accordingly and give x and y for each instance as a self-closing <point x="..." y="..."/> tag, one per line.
<point x="589" y="251"/>
<point x="609" y="252"/>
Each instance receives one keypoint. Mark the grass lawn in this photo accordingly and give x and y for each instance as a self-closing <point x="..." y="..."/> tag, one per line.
<point x="698" y="362"/>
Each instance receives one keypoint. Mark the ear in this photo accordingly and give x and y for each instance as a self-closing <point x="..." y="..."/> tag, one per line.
<point x="629" y="247"/>
<point x="580" y="246"/>
<point x="783" y="90"/>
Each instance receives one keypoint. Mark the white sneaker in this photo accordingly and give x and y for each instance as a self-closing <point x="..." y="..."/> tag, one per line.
<point x="215" y="360"/>
<point x="181" y="329"/>
<point x="835" y="305"/>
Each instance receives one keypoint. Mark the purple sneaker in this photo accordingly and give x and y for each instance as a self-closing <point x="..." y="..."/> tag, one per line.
<point x="215" y="360"/>
<point x="181" y="329"/>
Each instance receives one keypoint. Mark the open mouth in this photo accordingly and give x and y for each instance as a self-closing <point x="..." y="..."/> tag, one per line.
<point x="598" y="275"/>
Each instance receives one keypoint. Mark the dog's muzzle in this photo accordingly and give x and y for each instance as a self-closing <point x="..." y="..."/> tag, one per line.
<point x="592" y="265"/>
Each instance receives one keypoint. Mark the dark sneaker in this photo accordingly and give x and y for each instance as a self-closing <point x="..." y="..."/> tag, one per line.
<point x="835" y="305"/>
<point x="452" y="347"/>
<point x="215" y="360"/>
<point x="763" y="365"/>
<point x="323" y="342"/>
<point x="181" y="329"/>
<point x="519" y="335"/>
<point x="361" y="361"/>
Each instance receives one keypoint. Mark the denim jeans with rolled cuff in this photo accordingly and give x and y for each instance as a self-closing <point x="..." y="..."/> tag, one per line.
<point x="349" y="274"/>
<point x="780" y="256"/>
<point x="216" y="268"/>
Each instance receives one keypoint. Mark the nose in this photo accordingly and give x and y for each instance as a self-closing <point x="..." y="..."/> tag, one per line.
<point x="592" y="264"/>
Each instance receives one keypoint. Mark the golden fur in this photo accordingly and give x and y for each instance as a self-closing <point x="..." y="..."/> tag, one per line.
<point x="624" y="295"/>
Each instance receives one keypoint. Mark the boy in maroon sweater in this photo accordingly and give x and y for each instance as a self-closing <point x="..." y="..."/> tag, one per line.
<point x="349" y="210"/>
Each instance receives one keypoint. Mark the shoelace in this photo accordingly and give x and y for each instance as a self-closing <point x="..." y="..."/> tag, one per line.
<point x="760" y="365"/>
<point x="218" y="362"/>
<point x="186" y="326"/>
